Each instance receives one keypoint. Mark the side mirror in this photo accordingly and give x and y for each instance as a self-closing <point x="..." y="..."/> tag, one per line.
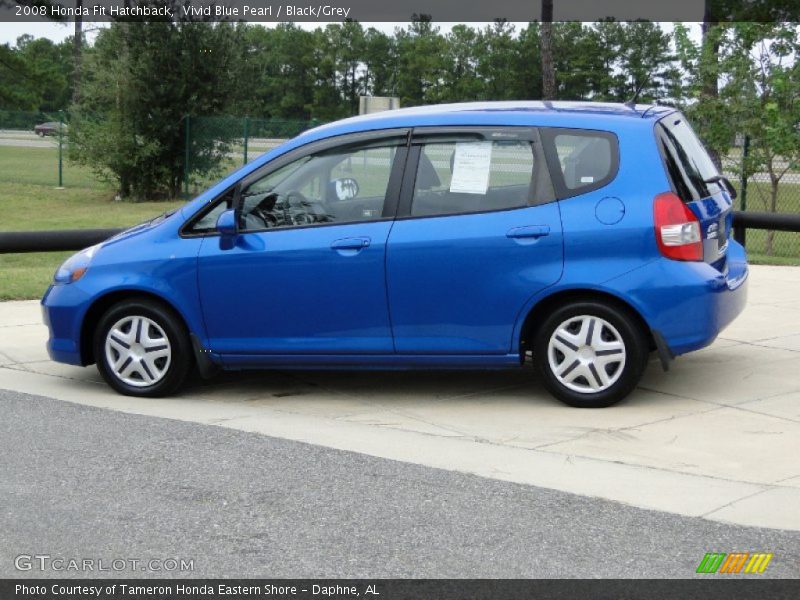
<point x="226" y="226"/>
<point x="346" y="188"/>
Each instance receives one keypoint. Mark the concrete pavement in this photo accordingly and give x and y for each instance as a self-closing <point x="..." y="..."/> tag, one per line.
<point x="717" y="437"/>
<point x="86" y="483"/>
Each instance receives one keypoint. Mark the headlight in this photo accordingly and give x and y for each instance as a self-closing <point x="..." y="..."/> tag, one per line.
<point x="75" y="266"/>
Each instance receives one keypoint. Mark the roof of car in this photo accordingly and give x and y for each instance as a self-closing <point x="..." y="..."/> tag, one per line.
<point x="527" y="112"/>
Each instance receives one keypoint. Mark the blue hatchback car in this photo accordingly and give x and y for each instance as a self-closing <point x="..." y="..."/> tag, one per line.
<point x="581" y="236"/>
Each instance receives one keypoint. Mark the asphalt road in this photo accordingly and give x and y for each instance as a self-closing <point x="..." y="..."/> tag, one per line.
<point x="87" y="483"/>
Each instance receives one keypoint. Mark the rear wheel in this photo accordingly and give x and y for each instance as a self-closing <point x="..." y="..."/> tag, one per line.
<point x="142" y="349"/>
<point x="590" y="354"/>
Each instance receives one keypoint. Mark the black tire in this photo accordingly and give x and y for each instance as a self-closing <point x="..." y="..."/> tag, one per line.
<point x="622" y="377"/>
<point x="175" y="369"/>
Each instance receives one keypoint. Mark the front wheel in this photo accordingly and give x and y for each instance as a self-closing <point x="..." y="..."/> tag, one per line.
<point x="142" y="349"/>
<point x="590" y="355"/>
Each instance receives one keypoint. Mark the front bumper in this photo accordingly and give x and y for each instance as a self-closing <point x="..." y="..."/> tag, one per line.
<point x="63" y="308"/>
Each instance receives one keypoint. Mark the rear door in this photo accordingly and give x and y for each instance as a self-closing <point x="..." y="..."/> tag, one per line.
<point x="477" y="234"/>
<point x="695" y="179"/>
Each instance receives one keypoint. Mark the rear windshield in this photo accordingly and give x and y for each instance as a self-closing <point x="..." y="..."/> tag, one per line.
<point x="688" y="164"/>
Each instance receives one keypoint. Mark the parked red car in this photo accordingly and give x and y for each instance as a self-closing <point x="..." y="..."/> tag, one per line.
<point x="49" y="128"/>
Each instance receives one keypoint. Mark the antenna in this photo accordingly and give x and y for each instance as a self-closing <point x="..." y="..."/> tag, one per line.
<point x="632" y="102"/>
<point x="648" y="109"/>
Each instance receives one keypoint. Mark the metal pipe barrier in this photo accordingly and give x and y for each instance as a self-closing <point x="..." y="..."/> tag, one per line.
<point x="14" y="242"/>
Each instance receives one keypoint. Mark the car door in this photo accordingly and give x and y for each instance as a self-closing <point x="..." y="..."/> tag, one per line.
<point x="478" y="234"/>
<point x="306" y="272"/>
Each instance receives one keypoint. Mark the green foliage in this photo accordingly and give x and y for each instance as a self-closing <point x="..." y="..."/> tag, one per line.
<point x="421" y="64"/>
<point x="291" y="73"/>
<point x="141" y="81"/>
<point x="35" y="75"/>
<point x="754" y="66"/>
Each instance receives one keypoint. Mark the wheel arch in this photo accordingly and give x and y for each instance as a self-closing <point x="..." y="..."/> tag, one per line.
<point x="537" y="313"/>
<point x="102" y="303"/>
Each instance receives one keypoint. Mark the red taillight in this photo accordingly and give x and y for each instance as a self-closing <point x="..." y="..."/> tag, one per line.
<point x="678" y="230"/>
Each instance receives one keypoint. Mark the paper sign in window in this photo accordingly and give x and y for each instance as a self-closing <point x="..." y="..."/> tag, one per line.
<point x="471" y="165"/>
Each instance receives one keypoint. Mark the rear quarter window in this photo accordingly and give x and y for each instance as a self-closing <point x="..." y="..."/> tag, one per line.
<point x="580" y="160"/>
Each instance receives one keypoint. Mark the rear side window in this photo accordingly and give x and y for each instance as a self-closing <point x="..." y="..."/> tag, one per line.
<point x="688" y="165"/>
<point x="473" y="176"/>
<point x="580" y="160"/>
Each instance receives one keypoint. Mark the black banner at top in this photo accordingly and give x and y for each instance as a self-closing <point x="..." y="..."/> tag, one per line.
<point x="397" y="10"/>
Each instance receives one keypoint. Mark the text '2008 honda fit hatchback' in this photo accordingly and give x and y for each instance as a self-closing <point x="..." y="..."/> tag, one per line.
<point x="470" y="236"/>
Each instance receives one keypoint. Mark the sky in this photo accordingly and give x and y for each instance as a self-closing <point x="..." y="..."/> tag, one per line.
<point x="9" y="32"/>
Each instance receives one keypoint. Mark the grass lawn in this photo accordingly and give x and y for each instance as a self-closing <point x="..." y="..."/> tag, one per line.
<point x="30" y="202"/>
<point x="39" y="166"/>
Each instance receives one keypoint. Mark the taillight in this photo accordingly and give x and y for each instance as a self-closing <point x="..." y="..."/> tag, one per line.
<point x="678" y="230"/>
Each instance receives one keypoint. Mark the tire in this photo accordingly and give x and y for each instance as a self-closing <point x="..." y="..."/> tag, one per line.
<point x="598" y="373"/>
<point x="142" y="349"/>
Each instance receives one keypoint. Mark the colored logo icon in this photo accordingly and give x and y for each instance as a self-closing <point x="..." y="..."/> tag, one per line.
<point x="735" y="562"/>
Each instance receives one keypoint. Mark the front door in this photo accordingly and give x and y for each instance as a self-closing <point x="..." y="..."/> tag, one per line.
<point x="478" y="234"/>
<point x="306" y="274"/>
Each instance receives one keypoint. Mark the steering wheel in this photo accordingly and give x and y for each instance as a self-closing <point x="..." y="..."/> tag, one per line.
<point x="302" y="211"/>
<point x="292" y="209"/>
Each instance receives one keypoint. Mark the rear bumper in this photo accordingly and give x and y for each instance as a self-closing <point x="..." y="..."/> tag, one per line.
<point x="689" y="304"/>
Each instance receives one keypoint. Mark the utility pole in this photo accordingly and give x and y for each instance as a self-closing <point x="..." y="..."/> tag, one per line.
<point x="709" y="66"/>
<point x="77" y="54"/>
<point x="546" y="42"/>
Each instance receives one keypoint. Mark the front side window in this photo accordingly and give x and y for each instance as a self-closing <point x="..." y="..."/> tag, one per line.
<point x="472" y="176"/>
<point x="207" y="221"/>
<point x="343" y="185"/>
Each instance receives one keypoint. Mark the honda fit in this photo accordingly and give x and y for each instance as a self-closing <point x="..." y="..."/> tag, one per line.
<point x="581" y="237"/>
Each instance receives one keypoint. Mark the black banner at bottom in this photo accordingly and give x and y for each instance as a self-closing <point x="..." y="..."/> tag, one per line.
<point x="711" y="588"/>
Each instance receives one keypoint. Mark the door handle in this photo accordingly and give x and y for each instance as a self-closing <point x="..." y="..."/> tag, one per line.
<point x="350" y="244"/>
<point x="529" y="231"/>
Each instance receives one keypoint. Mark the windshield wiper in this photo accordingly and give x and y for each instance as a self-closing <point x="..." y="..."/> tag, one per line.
<point x="166" y="214"/>
<point x="721" y="179"/>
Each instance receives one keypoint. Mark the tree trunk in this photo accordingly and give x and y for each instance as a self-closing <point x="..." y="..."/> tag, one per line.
<point x="77" y="54"/>
<point x="546" y="41"/>
<point x="709" y="68"/>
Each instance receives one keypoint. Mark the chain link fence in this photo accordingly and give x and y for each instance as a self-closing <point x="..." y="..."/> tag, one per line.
<point x="239" y="139"/>
<point x="36" y="141"/>
<point x="34" y="148"/>
<point x="773" y="187"/>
